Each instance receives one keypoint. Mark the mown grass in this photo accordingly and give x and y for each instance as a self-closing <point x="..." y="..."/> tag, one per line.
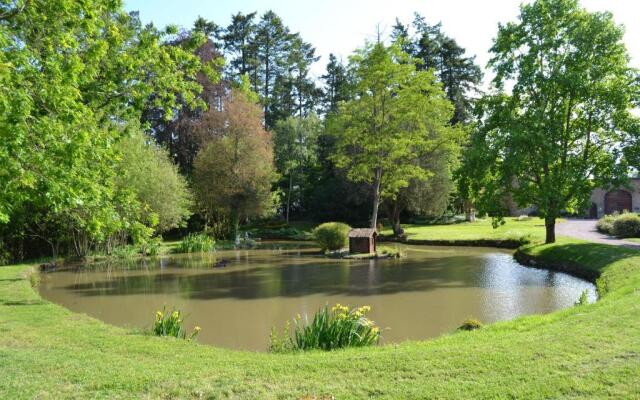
<point x="590" y="351"/>
<point x="513" y="229"/>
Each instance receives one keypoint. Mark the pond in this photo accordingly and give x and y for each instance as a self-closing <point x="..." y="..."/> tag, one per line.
<point x="429" y="292"/>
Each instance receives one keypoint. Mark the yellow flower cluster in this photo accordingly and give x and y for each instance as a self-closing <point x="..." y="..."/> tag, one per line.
<point x="159" y="315"/>
<point x="361" y="311"/>
<point x="340" y="309"/>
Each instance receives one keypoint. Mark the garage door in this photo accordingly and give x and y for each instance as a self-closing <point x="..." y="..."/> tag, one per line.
<point x="617" y="200"/>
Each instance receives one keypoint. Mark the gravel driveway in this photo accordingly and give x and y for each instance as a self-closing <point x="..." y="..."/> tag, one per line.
<point x="585" y="229"/>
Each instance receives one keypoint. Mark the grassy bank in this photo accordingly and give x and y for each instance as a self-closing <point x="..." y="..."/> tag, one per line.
<point x="530" y="229"/>
<point x="48" y="352"/>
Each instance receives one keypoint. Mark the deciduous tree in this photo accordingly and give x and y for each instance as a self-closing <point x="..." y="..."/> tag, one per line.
<point x="561" y="129"/>
<point x="398" y="114"/>
<point x="234" y="170"/>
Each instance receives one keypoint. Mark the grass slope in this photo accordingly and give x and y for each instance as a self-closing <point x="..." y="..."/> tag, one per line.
<point x="591" y="351"/>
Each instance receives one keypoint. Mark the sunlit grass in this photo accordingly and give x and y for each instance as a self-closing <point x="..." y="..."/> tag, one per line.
<point x="589" y="351"/>
<point x="482" y="229"/>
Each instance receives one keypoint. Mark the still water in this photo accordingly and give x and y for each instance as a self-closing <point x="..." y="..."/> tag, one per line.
<point x="427" y="293"/>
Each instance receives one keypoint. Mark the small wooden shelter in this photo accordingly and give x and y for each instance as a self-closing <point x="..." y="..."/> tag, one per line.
<point x="362" y="240"/>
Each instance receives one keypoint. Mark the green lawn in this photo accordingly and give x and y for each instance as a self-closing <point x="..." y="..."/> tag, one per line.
<point x="512" y="229"/>
<point x="592" y="351"/>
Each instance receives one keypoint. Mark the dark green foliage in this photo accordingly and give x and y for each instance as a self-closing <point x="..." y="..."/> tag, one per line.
<point x="330" y="329"/>
<point x="331" y="235"/>
<point x="626" y="225"/>
<point x="336" y="85"/>
<point x="470" y="325"/>
<point x="459" y="74"/>
<point x="286" y="232"/>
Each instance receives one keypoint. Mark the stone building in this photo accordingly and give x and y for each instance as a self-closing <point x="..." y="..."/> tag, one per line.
<point x="620" y="199"/>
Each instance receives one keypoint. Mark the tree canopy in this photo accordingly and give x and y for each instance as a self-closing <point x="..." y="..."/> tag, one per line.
<point x="398" y="114"/>
<point x="561" y="130"/>
<point x="234" y="170"/>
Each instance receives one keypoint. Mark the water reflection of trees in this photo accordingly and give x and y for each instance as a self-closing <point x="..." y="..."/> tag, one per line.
<point x="267" y="274"/>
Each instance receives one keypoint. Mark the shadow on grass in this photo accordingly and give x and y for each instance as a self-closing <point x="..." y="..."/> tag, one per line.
<point x="23" y="303"/>
<point x="591" y="256"/>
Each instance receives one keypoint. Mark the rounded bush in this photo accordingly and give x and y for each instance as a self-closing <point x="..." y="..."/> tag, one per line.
<point x="605" y="224"/>
<point x="332" y="235"/>
<point x="470" y="325"/>
<point x="627" y="225"/>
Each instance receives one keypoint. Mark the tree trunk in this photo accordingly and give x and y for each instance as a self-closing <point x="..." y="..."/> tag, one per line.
<point x="550" y="226"/>
<point x="289" y="195"/>
<point x="395" y="219"/>
<point x="376" y="198"/>
<point x="469" y="211"/>
<point x="235" y="222"/>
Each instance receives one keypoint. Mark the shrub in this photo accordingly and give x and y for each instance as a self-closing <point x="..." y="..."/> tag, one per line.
<point x="331" y="235"/>
<point x="470" y="325"/>
<point x="171" y="324"/>
<point x="126" y="251"/>
<point x="151" y="247"/>
<point x="196" y="243"/>
<point x="627" y="225"/>
<point x="285" y="232"/>
<point x="605" y="224"/>
<point x="331" y="328"/>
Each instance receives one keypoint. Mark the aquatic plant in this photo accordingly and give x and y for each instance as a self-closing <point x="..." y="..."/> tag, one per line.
<point x="583" y="299"/>
<point x="331" y="328"/>
<point x="196" y="243"/>
<point x="331" y="235"/>
<point x="470" y="324"/>
<point x="171" y="324"/>
<point x="388" y="251"/>
<point x="125" y="251"/>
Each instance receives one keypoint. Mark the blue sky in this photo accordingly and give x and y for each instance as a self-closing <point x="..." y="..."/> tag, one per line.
<point x="339" y="26"/>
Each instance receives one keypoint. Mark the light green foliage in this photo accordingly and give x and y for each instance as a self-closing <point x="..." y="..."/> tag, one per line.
<point x="398" y="115"/>
<point x="389" y="251"/>
<point x="195" y="243"/>
<point x="331" y="235"/>
<point x="147" y="171"/>
<point x="561" y="130"/>
<point x="172" y="324"/>
<point x="626" y="225"/>
<point x="331" y="328"/>
<point x="605" y="224"/>
<point x="74" y="77"/>
<point x="583" y="299"/>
